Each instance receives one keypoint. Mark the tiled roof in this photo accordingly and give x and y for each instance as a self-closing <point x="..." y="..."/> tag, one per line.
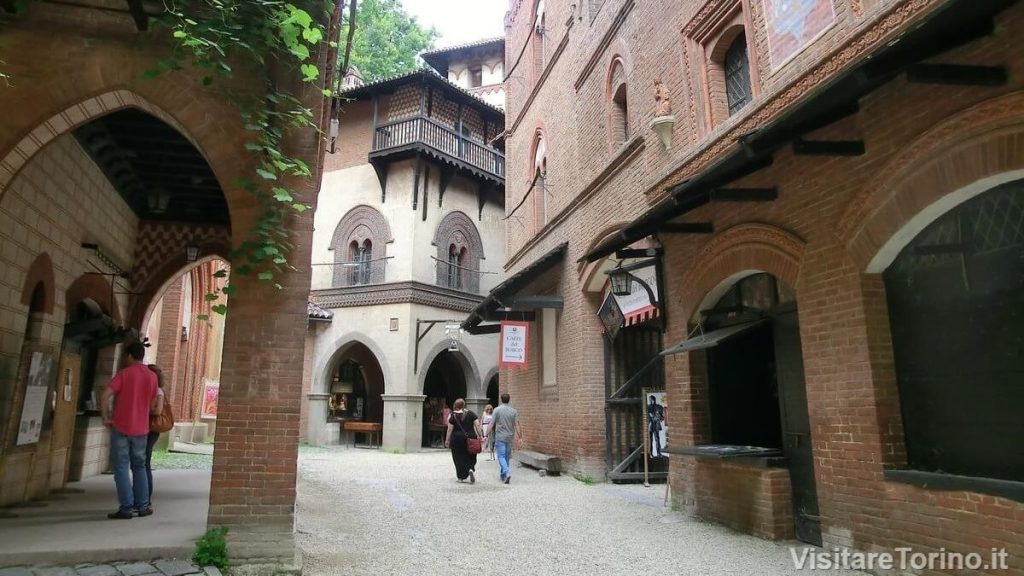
<point x="317" y="312"/>
<point x="426" y="73"/>
<point x="457" y="47"/>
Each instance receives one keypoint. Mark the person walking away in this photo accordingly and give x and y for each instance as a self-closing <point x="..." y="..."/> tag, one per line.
<point x="488" y="439"/>
<point x="134" y="393"/>
<point x="153" y="437"/>
<point x="505" y="430"/>
<point x="462" y="425"/>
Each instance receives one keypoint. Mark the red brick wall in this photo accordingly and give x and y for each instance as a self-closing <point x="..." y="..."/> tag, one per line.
<point x="833" y="215"/>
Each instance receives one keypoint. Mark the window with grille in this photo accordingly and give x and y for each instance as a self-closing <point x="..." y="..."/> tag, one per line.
<point x="361" y="256"/>
<point x="955" y="296"/>
<point x="456" y="261"/>
<point x="737" y="75"/>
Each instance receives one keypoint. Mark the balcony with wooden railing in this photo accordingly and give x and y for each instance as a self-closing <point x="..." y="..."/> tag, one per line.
<point x="424" y="134"/>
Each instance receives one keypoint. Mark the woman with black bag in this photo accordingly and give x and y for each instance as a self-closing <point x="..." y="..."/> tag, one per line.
<point x="463" y="437"/>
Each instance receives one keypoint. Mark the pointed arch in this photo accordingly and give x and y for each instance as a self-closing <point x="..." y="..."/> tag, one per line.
<point x="369" y="230"/>
<point x="456" y="232"/>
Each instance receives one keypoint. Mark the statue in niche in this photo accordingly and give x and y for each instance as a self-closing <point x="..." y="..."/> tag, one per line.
<point x="661" y="97"/>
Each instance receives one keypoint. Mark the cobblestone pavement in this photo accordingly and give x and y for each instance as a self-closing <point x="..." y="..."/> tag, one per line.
<point x="373" y="512"/>
<point x="157" y="568"/>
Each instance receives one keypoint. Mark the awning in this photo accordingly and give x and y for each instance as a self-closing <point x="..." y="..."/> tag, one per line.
<point x="511" y="286"/>
<point x="710" y="339"/>
<point x="947" y="27"/>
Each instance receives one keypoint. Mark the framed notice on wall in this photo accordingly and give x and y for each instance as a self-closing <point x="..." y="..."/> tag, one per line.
<point x="514" y="344"/>
<point x="33" y="407"/>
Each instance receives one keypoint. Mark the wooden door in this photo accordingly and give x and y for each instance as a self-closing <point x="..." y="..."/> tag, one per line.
<point x="796" y="427"/>
<point x="69" y="378"/>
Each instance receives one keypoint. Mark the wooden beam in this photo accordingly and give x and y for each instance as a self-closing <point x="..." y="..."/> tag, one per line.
<point x="381" y="169"/>
<point x="498" y="316"/>
<point x="828" y="147"/>
<point x="957" y="75"/>
<point x="534" y="302"/>
<point x="744" y="194"/>
<point x="481" y="329"/>
<point x="686" y="228"/>
<point x="447" y="174"/>
<point x="638" y="253"/>
<point x="416" y="182"/>
<point x="139" y="15"/>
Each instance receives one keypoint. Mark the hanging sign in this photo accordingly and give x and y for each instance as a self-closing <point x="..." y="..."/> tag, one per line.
<point x="638" y="307"/>
<point x="514" y="345"/>
<point x="610" y="316"/>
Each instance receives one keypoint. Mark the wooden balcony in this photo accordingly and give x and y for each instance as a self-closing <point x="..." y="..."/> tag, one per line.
<point x="426" y="135"/>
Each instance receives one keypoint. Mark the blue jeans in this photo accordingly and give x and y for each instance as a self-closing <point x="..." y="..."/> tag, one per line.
<point x="129" y="452"/>
<point x="504" y="450"/>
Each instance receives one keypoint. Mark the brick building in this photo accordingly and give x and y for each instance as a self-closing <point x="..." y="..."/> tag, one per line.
<point x="408" y="238"/>
<point x="825" y="199"/>
<point x="105" y="180"/>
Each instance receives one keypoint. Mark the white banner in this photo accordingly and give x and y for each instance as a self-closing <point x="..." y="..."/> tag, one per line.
<point x="514" y="344"/>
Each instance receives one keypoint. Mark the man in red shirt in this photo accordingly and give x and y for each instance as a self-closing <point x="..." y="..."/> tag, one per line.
<point x="134" y="390"/>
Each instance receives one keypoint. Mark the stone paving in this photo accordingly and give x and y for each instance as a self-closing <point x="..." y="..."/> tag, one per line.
<point x="156" y="568"/>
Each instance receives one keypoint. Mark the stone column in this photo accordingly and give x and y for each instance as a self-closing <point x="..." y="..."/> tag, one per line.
<point x="403" y="421"/>
<point x="319" y="432"/>
<point x="477" y="405"/>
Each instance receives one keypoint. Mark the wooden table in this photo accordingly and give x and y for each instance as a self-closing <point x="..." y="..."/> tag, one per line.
<point x="372" y="429"/>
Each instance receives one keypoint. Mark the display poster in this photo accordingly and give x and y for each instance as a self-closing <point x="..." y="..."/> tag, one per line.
<point x="33" y="408"/>
<point x="211" y="395"/>
<point x="657" y="423"/>
<point x="514" y="344"/>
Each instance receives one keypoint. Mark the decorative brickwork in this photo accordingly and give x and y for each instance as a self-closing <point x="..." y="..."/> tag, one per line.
<point x="361" y="224"/>
<point x="458" y="229"/>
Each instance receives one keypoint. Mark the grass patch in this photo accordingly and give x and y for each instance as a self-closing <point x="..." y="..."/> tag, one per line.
<point x="392" y="450"/>
<point x="212" y="549"/>
<point x="167" y="460"/>
<point x="584" y="478"/>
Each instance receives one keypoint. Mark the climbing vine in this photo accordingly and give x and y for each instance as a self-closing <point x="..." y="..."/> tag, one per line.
<point x="215" y="36"/>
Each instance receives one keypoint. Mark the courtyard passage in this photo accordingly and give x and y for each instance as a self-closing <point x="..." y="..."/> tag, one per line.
<point x="373" y="512"/>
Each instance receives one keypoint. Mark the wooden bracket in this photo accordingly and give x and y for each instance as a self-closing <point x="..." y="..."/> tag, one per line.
<point x="828" y="147"/>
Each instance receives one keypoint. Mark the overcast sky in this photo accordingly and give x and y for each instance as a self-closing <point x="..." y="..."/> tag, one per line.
<point x="460" y="21"/>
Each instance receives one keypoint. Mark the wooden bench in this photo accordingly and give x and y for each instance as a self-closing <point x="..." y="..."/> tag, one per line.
<point x="371" y="429"/>
<point x="550" y="464"/>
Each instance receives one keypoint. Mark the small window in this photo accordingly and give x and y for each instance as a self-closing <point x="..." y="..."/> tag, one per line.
<point x="620" y="116"/>
<point x="539" y="33"/>
<point x="737" y="75"/>
<point x="476" y="77"/>
<point x="456" y="264"/>
<point x="361" y="256"/>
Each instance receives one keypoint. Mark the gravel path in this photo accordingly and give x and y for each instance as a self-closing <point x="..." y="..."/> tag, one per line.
<point x="372" y="512"/>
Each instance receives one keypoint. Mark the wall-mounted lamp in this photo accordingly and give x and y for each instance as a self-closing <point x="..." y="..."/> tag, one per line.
<point x="622" y="283"/>
<point x="191" y="253"/>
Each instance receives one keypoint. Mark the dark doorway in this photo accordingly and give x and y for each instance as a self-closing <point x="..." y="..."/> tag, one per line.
<point x="756" y="389"/>
<point x="444" y="383"/>
<point x="356" y="386"/>
<point x="492" y="391"/>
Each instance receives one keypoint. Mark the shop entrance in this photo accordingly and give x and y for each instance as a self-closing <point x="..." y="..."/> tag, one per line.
<point x="356" y="386"/>
<point x="756" y="391"/>
<point x="492" y="391"/>
<point x="445" y="382"/>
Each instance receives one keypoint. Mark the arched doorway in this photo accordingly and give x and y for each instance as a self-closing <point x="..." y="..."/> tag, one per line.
<point x="492" y="391"/>
<point x="355" y="389"/>
<point x="444" y="383"/>
<point x="748" y="341"/>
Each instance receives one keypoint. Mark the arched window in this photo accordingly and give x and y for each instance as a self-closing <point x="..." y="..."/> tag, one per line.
<point x="538" y="39"/>
<point x="955" y="296"/>
<point x="359" y="245"/>
<point x="737" y="74"/>
<point x="360" y="256"/>
<point x="618" y="108"/>
<point x="539" y="180"/>
<point x="459" y="251"/>
<point x="456" y="265"/>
